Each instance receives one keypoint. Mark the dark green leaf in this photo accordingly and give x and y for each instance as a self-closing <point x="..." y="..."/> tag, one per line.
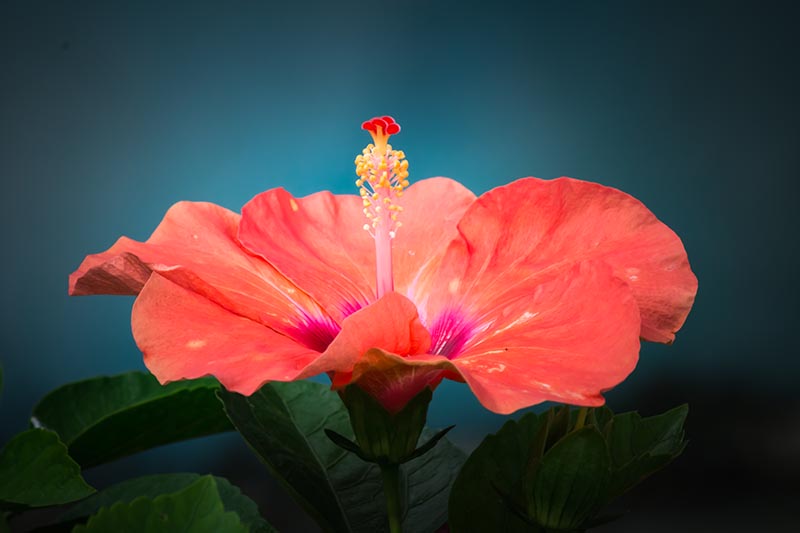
<point x="104" y="418"/>
<point x="599" y="417"/>
<point x="285" y="422"/>
<point x="560" y="425"/>
<point x="641" y="446"/>
<point x="495" y="467"/>
<point x="160" y="484"/>
<point x="571" y="480"/>
<point x="35" y="471"/>
<point x="197" y="507"/>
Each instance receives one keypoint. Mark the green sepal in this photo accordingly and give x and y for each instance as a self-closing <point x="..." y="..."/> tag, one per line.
<point x="428" y="446"/>
<point x="386" y="437"/>
<point x="346" y="444"/>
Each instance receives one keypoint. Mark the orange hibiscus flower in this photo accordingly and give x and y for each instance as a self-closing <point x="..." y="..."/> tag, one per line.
<point x="537" y="290"/>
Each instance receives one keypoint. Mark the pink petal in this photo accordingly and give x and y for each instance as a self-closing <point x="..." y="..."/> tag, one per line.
<point x="391" y="324"/>
<point x="392" y="379"/>
<point x="389" y="328"/>
<point x="183" y="335"/>
<point x="431" y="211"/>
<point x="566" y="339"/>
<point x="196" y="247"/>
<point x="533" y="225"/>
<point x="317" y="242"/>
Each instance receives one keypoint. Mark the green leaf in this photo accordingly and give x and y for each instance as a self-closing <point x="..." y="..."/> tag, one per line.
<point x="599" y="417"/>
<point x="104" y="418"/>
<point x="197" y="507"/>
<point x="35" y="471"/>
<point x="493" y="472"/>
<point x="159" y="484"/>
<point x="640" y="446"/>
<point x="285" y="424"/>
<point x="571" y="480"/>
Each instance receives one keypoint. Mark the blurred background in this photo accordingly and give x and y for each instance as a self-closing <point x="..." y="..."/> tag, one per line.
<point x="110" y="112"/>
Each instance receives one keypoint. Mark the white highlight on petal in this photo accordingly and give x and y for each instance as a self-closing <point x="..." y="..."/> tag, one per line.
<point x="524" y="317"/>
<point x="499" y="368"/>
<point x="453" y="285"/>
<point x="196" y="344"/>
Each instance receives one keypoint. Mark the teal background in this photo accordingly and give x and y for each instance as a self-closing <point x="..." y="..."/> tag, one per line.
<point x="110" y="112"/>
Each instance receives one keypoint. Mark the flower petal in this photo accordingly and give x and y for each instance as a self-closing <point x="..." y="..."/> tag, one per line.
<point x="317" y="242"/>
<point x="184" y="335"/>
<point x="195" y="246"/>
<point x="535" y="225"/>
<point x="394" y="380"/>
<point x="391" y="324"/>
<point x="431" y="211"/>
<point x="566" y="339"/>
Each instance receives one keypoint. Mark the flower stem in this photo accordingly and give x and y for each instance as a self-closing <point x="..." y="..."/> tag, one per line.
<point x="582" y="412"/>
<point x="391" y="488"/>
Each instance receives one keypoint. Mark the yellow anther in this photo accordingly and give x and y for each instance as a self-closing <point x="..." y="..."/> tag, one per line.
<point x="382" y="176"/>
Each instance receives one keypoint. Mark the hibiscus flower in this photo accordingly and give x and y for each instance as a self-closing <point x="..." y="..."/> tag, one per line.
<point x="537" y="290"/>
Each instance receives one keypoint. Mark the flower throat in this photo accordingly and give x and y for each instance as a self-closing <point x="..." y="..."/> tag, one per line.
<point x="382" y="175"/>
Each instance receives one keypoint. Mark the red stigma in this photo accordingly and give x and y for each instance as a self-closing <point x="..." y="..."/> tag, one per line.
<point x="386" y="123"/>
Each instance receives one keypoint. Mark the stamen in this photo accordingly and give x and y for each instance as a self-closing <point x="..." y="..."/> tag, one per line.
<point x="382" y="175"/>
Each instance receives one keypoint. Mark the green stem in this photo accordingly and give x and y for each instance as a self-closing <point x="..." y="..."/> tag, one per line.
<point x="391" y="488"/>
<point x="582" y="412"/>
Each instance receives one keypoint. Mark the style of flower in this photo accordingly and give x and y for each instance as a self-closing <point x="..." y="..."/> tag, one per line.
<point x="537" y="290"/>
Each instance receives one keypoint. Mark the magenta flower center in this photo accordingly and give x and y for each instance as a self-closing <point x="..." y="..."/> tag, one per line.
<point x="449" y="333"/>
